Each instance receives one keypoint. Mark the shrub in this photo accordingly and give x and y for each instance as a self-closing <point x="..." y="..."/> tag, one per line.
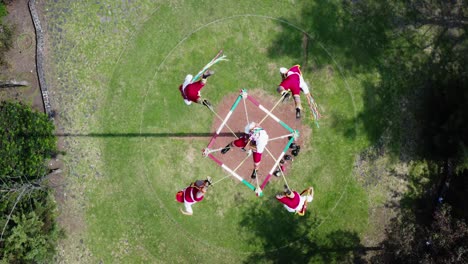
<point x="29" y="231"/>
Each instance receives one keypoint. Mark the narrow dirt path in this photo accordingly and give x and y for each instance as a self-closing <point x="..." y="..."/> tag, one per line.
<point x="21" y="57"/>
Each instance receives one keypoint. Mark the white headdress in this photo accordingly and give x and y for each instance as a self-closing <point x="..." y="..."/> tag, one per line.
<point x="249" y="127"/>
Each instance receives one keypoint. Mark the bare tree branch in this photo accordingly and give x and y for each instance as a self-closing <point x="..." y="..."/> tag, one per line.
<point x="11" y="212"/>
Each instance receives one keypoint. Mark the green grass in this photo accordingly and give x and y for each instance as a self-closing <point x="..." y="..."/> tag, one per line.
<point x="3" y="11"/>
<point x="120" y="68"/>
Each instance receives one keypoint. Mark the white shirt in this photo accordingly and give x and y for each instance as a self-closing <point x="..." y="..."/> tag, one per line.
<point x="260" y="136"/>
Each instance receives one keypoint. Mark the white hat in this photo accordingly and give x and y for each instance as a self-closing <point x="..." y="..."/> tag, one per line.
<point x="283" y="70"/>
<point x="248" y="127"/>
<point x="188" y="78"/>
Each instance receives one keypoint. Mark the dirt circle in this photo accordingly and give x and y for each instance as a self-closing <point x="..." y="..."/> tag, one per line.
<point x="24" y="42"/>
<point x="246" y="112"/>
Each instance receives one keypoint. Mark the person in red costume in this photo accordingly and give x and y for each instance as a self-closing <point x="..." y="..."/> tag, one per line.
<point x="295" y="202"/>
<point x="256" y="138"/>
<point x="192" y="194"/>
<point x="293" y="81"/>
<point x="190" y="91"/>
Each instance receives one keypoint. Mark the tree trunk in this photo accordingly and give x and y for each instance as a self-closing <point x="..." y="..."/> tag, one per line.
<point x="13" y="84"/>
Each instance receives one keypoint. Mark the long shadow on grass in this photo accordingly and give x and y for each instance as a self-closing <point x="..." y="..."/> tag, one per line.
<point x="288" y="238"/>
<point x="117" y="135"/>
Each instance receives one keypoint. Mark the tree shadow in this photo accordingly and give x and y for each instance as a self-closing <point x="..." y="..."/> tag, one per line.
<point x="416" y="108"/>
<point x="420" y="116"/>
<point x="413" y="83"/>
<point x="445" y="119"/>
<point x="344" y="126"/>
<point x="422" y="89"/>
<point x="289" y="238"/>
<point x="354" y="34"/>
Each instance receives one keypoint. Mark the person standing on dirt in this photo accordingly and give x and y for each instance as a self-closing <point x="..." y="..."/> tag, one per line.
<point x="192" y="194"/>
<point x="190" y="91"/>
<point x="295" y="202"/>
<point x="256" y="138"/>
<point x="293" y="82"/>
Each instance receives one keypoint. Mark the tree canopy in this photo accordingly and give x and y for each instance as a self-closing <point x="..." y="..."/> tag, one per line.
<point x="28" y="229"/>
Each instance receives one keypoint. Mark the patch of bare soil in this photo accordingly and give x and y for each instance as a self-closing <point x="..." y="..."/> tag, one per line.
<point x="21" y="58"/>
<point x="246" y="112"/>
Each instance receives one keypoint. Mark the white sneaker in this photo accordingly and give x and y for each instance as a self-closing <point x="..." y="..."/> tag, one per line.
<point x="185" y="212"/>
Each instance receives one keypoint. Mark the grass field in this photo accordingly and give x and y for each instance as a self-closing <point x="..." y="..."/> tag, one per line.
<point x="116" y="67"/>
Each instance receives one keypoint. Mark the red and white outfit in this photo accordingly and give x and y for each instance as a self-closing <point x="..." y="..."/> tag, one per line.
<point x="191" y="91"/>
<point x="189" y="196"/>
<point x="295" y="202"/>
<point x="294" y="80"/>
<point x="258" y="137"/>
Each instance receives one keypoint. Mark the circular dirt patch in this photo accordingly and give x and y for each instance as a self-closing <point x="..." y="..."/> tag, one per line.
<point x="246" y="112"/>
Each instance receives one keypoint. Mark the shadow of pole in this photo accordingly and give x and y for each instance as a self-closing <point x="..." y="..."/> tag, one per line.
<point x="130" y="135"/>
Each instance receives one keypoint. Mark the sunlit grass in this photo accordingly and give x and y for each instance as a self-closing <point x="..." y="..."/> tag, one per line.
<point x="133" y="79"/>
